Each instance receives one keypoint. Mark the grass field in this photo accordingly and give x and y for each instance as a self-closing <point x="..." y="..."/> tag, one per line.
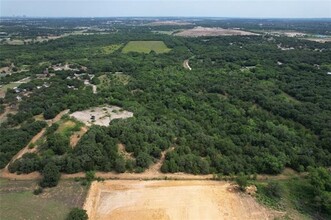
<point x="18" y="202"/>
<point x="4" y="88"/>
<point x="146" y="47"/>
<point x="68" y="127"/>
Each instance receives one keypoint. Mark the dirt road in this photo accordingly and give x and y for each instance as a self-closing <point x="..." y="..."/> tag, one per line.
<point x="77" y="136"/>
<point x="5" y="173"/>
<point x="125" y="199"/>
<point x="186" y="65"/>
<point x="3" y="116"/>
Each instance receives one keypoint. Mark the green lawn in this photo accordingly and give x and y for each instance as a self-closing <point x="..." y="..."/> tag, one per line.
<point x="3" y="88"/>
<point x="18" y="202"/>
<point x="145" y="47"/>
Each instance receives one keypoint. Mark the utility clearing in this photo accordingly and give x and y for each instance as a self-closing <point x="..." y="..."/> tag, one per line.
<point x="128" y="199"/>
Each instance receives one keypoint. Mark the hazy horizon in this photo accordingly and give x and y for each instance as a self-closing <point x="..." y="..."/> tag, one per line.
<point x="170" y="8"/>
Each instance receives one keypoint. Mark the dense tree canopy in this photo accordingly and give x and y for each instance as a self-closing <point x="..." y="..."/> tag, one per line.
<point x="247" y="105"/>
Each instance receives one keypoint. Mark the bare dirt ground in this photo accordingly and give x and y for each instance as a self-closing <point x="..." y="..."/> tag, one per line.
<point x="155" y="169"/>
<point x="77" y="136"/>
<point x="186" y="65"/>
<point x="5" y="69"/>
<point x="3" y="116"/>
<point x="318" y="40"/>
<point x="162" y="23"/>
<point x="203" y="31"/>
<point x="118" y="199"/>
<point x="103" y="115"/>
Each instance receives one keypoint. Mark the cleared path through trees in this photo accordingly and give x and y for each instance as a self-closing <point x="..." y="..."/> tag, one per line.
<point x="186" y="64"/>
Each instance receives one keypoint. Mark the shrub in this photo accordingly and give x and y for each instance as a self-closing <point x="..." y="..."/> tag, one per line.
<point x="242" y="181"/>
<point x="77" y="214"/>
<point x="274" y="189"/>
<point x="90" y="176"/>
<point x="38" y="191"/>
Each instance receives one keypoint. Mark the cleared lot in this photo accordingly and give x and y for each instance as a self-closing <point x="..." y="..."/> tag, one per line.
<point x="203" y="31"/>
<point x="101" y="115"/>
<point x="128" y="199"/>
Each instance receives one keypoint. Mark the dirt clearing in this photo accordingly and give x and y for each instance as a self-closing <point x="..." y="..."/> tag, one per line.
<point x="171" y="200"/>
<point x="77" y="136"/>
<point x="101" y="115"/>
<point x="202" y="31"/>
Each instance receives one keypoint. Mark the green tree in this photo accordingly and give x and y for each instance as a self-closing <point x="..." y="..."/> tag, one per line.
<point x="274" y="189"/>
<point x="90" y="175"/>
<point x="51" y="175"/>
<point x="77" y="214"/>
<point x="120" y="165"/>
<point x="143" y="160"/>
<point x="320" y="178"/>
<point x="242" y="181"/>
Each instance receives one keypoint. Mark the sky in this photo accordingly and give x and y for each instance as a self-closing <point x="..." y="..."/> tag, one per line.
<point x="168" y="8"/>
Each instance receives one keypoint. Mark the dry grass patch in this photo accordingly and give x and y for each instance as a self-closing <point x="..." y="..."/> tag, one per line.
<point x="124" y="153"/>
<point x="76" y="136"/>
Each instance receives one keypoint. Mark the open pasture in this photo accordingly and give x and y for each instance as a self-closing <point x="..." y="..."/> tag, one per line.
<point x="18" y="201"/>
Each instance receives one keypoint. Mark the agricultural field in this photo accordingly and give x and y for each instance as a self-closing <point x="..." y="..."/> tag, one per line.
<point x="18" y="201"/>
<point x="145" y="47"/>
